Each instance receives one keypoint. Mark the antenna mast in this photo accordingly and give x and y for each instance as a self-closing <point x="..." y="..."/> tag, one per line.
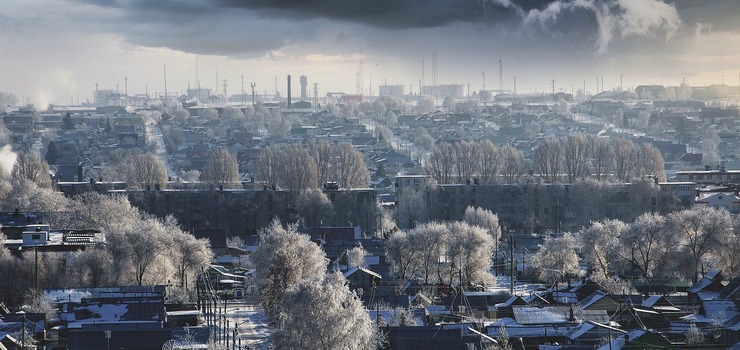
<point x="500" y="77"/>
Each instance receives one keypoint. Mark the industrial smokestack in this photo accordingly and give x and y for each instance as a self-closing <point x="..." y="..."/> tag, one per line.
<point x="304" y="86"/>
<point x="289" y="102"/>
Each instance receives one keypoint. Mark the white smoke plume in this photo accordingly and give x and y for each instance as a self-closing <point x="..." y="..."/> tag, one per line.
<point x="7" y="160"/>
<point x="615" y="18"/>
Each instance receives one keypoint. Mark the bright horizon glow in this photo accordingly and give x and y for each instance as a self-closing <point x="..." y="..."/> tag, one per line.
<point x="57" y="50"/>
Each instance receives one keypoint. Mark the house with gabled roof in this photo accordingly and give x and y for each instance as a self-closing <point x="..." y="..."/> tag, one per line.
<point x="707" y="287"/>
<point x="591" y="333"/>
<point x="638" y="339"/>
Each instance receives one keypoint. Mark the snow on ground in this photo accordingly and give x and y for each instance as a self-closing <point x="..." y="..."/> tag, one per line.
<point x="252" y="325"/>
<point x="503" y="284"/>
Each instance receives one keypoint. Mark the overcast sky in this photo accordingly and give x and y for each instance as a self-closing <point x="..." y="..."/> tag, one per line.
<point x="54" y="51"/>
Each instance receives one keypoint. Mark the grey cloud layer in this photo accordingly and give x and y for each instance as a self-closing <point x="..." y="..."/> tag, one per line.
<point x="248" y="27"/>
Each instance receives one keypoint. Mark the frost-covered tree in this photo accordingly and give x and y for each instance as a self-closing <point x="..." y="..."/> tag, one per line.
<point x="441" y="163"/>
<point x="30" y="166"/>
<point x="487" y="161"/>
<point x="650" y="162"/>
<point x="600" y="247"/>
<point x="314" y="207"/>
<point x="430" y="239"/>
<point x="625" y="157"/>
<point x="651" y="246"/>
<point x="356" y="256"/>
<point x="91" y="267"/>
<point x="221" y="169"/>
<point x="145" y="171"/>
<point x="323" y="154"/>
<point x="297" y="169"/>
<point x="511" y="163"/>
<point x="576" y="155"/>
<point x="728" y="253"/>
<point x="701" y="230"/>
<point x="485" y="219"/>
<point x="322" y="313"/>
<point x="466" y="160"/>
<point x="602" y="157"/>
<point x="411" y="208"/>
<point x="188" y="254"/>
<point x="267" y="167"/>
<point x="402" y="256"/>
<point x="283" y="258"/>
<point x="556" y="259"/>
<point x="350" y="170"/>
<point x="93" y="210"/>
<point x="469" y="250"/>
<point x="547" y="159"/>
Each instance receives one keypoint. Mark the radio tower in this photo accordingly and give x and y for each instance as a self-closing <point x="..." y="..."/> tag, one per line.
<point x="434" y="73"/>
<point x="360" y="74"/>
<point x="225" y="96"/>
<point x="315" y="95"/>
<point x="500" y="77"/>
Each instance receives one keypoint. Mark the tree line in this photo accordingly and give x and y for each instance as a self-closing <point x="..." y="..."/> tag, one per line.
<point x="570" y="159"/>
<point x="301" y="167"/>
<point x="451" y="253"/>
<point x="311" y="307"/>
<point x="135" y="248"/>
<point x="653" y="250"/>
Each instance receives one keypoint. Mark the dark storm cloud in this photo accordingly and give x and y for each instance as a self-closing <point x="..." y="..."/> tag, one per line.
<point x="248" y="27"/>
<point x="378" y="13"/>
<point x="386" y="13"/>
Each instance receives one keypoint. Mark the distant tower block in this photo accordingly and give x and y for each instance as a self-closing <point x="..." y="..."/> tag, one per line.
<point x="290" y="105"/>
<point x="304" y="86"/>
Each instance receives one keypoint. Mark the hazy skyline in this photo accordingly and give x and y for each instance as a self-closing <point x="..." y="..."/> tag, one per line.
<point x="54" y="51"/>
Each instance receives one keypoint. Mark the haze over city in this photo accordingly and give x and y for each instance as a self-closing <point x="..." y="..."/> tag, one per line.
<point x="55" y="51"/>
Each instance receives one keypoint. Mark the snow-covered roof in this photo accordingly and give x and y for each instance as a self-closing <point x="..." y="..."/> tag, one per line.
<point x="526" y="315"/>
<point x="579" y="330"/>
<point x="619" y="342"/>
<point x="719" y="309"/>
<point x="591" y="299"/>
<point x="358" y="268"/>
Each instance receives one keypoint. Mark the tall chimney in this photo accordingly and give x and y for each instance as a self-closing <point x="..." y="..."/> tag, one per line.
<point x="289" y="103"/>
<point x="304" y="86"/>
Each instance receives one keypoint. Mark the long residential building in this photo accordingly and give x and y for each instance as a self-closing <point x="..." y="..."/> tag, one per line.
<point x="538" y="207"/>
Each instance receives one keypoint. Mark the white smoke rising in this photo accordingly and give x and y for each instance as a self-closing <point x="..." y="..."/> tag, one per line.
<point x="61" y="83"/>
<point x="615" y="18"/>
<point x="7" y="160"/>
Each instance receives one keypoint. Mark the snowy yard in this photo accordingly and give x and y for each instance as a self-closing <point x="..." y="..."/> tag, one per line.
<point x="252" y="325"/>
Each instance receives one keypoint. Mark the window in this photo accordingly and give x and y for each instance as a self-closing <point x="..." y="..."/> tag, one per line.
<point x="35" y="237"/>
